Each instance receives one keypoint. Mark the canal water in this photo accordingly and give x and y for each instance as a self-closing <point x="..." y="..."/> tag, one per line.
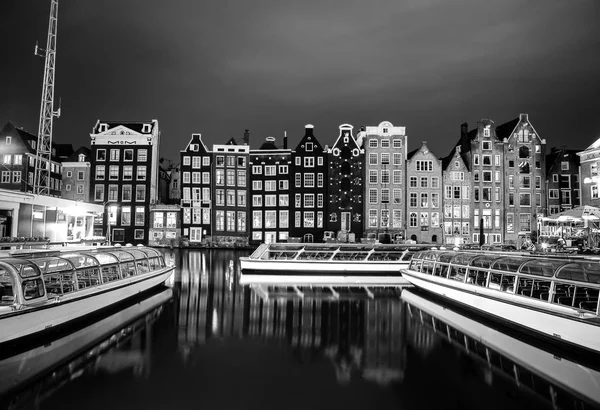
<point x="204" y="341"/>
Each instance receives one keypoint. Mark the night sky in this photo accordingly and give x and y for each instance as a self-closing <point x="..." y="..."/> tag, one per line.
<point x="219" y="67"/>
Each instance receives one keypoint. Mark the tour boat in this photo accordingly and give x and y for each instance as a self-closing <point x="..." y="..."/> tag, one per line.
<point x="40" y="291"/>
<point x="329" y="263"/>
<point x="552" y="377"/>
<point x="553" y="297"/>
<point x="18" y="370"/>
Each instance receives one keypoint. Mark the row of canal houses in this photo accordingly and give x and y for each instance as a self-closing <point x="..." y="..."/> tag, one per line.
<point x="496" y="180"/>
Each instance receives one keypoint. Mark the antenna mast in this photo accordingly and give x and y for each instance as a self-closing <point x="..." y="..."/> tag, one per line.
<point x="41" y="181"/>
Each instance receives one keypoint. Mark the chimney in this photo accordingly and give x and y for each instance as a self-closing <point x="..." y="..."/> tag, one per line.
<point x="464" y="136"/>
<point x="246" y="137"/>
<point x="284" y="139"/>
<point x="308" y="130"/>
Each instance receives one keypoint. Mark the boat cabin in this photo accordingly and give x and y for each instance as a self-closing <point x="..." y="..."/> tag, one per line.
<point x="336" y="252"/>
<point x="34" y="278"/>
<point x="571" y="282"/>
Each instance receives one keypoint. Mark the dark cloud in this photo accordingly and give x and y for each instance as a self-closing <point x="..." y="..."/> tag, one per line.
<point x="218" y="67"/>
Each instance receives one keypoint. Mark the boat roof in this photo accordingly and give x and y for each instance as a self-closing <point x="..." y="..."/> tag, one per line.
<point x="73" y="258"/>
<point x="572" y="268"/>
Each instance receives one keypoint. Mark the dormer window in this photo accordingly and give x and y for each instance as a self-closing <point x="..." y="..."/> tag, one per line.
<point x="486" y="132"/>
<point x="81" y="157"/>
<point x="346" y="140"/>
<point x="309" y="146"/>
<point x="102" y="127"/>
<point x="8" y="140"/>
<point x="385" y="130"/>
<point x="146" y="128"/>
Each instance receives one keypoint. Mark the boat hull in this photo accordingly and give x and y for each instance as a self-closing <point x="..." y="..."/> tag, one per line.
<point x="328" y="278"/>
<point x="52" y="314"/>
<point x="283" y="267"/>
<point x="560" y="324"/>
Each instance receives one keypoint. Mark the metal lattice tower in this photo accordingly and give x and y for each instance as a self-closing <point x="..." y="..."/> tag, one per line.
<point x="41" y="181"/>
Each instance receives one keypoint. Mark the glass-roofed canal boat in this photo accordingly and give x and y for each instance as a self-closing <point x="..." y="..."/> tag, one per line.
<point x="553" y="297"/>
<point x="331" y="263"/>
<point x="42" y="290"/>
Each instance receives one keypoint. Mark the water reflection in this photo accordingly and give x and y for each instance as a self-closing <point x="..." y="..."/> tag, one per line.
<point x="217" y="343"/>
<point x="118" y="342"/>
<point x="357" y="337"/>
<point x="501" y="359"/>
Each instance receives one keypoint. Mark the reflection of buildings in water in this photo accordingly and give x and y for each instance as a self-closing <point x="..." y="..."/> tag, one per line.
<point x="355" y="335"/>
<point x="385" y="356"/>
<point x="419" y="337"/>
<point x="211" y="302"/>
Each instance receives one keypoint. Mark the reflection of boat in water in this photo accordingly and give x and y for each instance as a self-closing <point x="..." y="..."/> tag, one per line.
<point x="556" y="298"/>
<point x="558" y="381"/>
<point x="42" y="291"/>
<point x="23" y="368"/>
<point x="341" y="264"/>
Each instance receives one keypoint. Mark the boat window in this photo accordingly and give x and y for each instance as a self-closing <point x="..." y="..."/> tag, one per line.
<point x="581" y="297"/>
<point x="457" y="273"/>
<point x="53" y="264"/>
<point x="415" y="265"/>
<point x="137" y="254"/>
<point x="128" y="269"/>
<point x="58" y="284"/>
<point x="534" y="288"/>
<point x="477" y="277"/>
<point x="154" y="263"/>
<point x="462" y="258"/>
<point x="80" y="260"/>
<point x="33" y="289"/>
<point x="430" y="255"/>
<point x="446" y="257"/>
<point x="162" y="261"/>
<point x="483" y="261"/>
<point x="88" y="277"/>
<point x="110" y="273"/>
<point x="581" y="272"/>
<point x="441" y="270"/>
<point x="502" y="282"/>
<point x="407" y="255"/>
<point x="143" y="265"/>
<point x="508" y="264"/>
<point x="105" y="258"/>
<point x="541" y="267"/>
<point x="7" y="293"/>
<point x="123" y="256"/>
<point x="427" y="267"/>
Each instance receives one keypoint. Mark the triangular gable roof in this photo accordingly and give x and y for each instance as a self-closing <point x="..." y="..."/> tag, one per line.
<point x="346" y="128"/>
<point x="196" y="139"/>
<point x="308" y="133"/>
<point x="454" y="155"/>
